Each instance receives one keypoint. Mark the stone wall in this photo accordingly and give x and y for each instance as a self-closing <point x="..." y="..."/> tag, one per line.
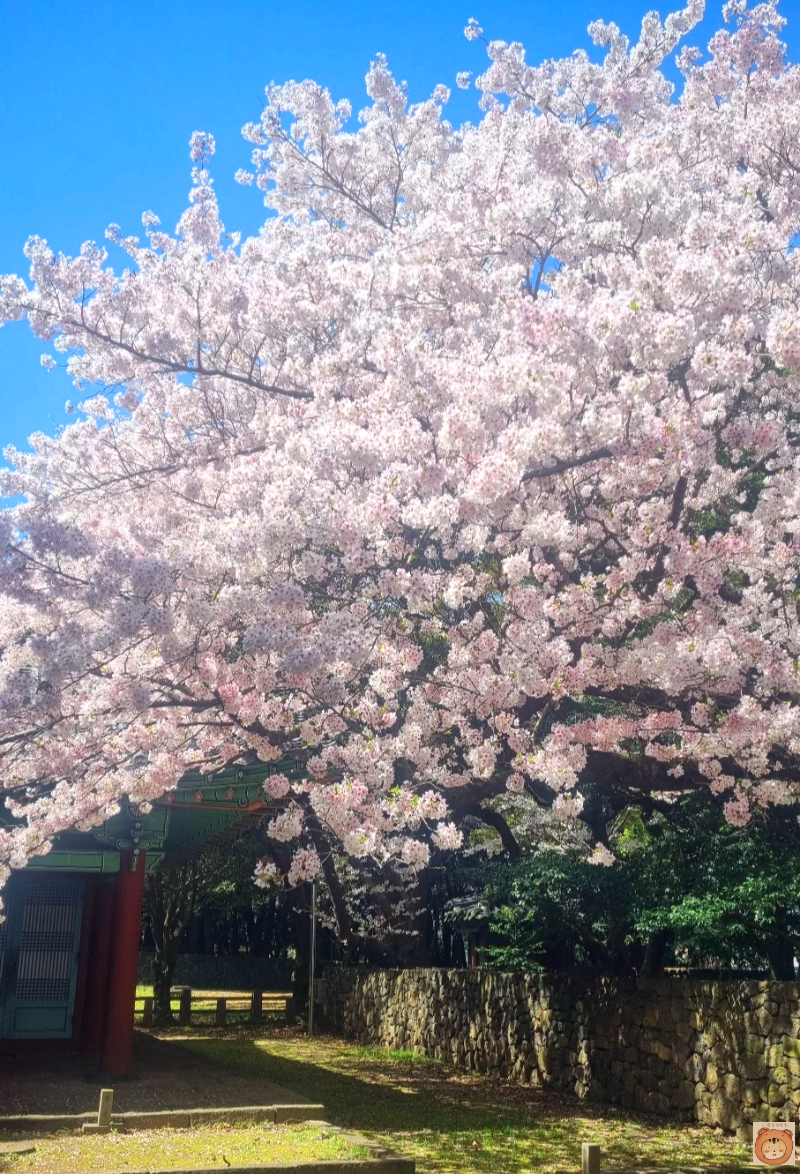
<point x="231" y="972"/>
<point x="722" y="1053"/>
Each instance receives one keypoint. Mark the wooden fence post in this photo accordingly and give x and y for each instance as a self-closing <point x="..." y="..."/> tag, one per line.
<point x="185" y="1010"/>
<point x="147" y="1013"/>
<point x="222" y="1013"/>
<point x="290" y="1012"/>
<point x="256" y="1009"/>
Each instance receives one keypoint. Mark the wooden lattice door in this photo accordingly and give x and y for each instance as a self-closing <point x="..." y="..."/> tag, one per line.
<point x="39" y="943"/>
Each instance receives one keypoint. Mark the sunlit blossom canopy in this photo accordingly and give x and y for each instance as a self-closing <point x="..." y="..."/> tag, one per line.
<point x="475" y="471"/>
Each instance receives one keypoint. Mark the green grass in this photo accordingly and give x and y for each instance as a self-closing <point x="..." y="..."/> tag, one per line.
<point x="169" y="1149"/>
<point x="395" y="1056"/>
<point x="453" y="1122"/>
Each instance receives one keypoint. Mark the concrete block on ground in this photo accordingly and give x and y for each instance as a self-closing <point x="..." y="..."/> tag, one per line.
<point x="297" y="1113"/>
<point x="231" y="1116"/>
<point x="590" y="1158"/>
<point x="105" y="1106"/>
<point x="162" y="1119"/>
<point x="46" y="1122"/>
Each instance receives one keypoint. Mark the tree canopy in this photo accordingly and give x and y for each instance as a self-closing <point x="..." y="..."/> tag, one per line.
<point x="689" y="889"/>
<point x="475" y="472"/>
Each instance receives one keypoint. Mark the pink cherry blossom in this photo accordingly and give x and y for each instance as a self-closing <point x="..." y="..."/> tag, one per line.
<point x="474" y="474"/>
<point x="266" y="874"/>
<point x="601" y="855"/>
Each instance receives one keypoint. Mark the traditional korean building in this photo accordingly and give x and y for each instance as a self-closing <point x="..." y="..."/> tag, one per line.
<point x="69" y="946"/>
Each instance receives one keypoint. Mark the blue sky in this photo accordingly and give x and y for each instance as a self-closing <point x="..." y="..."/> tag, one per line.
<point x="97" y="103"/>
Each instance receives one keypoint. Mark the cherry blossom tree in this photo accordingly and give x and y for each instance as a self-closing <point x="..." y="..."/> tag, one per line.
<point x="475" y="472"/>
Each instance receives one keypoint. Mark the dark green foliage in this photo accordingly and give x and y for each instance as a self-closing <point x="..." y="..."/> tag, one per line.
<point x="684" y="879"/>
<point x="731" y="893"/>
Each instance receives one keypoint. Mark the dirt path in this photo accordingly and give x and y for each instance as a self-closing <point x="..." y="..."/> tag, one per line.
<point x="165" y="1076"/>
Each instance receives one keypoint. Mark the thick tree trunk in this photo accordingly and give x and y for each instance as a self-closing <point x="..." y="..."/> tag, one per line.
<point x="655" y="953"/>
<point x="323" y="849"/>
<point x="620" y="955"/>
<point x="780" y="954"/>
<point x="163" y="969"/>
<point x="169" y="903"/>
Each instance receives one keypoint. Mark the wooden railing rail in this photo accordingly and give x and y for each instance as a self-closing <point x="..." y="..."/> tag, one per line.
<point x="256" y="1005"/>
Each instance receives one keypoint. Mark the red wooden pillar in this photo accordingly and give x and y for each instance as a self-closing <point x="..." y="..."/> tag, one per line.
<point x="94" y="1020"/>
<point x="87" y="931"/>
<point x="117" y="1054"/>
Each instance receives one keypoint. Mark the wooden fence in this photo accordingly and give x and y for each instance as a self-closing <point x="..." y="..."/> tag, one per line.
<point x="246" y="1007"/>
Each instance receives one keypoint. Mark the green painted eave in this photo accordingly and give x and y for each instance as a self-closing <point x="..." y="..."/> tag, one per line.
<point x="79" y="861"/>
<point x="201" y="808"/>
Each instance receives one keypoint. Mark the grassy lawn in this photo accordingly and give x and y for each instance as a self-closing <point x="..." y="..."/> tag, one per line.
<point x="165" y="1149"/>
<point x="453" y="1122"/>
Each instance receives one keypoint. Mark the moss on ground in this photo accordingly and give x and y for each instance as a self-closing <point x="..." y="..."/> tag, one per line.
<point x="170" y="1149"/>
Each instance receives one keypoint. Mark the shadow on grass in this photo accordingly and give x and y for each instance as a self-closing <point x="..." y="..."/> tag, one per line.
<point x="455" y="1121"/>
<point x="384" y="1095"/>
